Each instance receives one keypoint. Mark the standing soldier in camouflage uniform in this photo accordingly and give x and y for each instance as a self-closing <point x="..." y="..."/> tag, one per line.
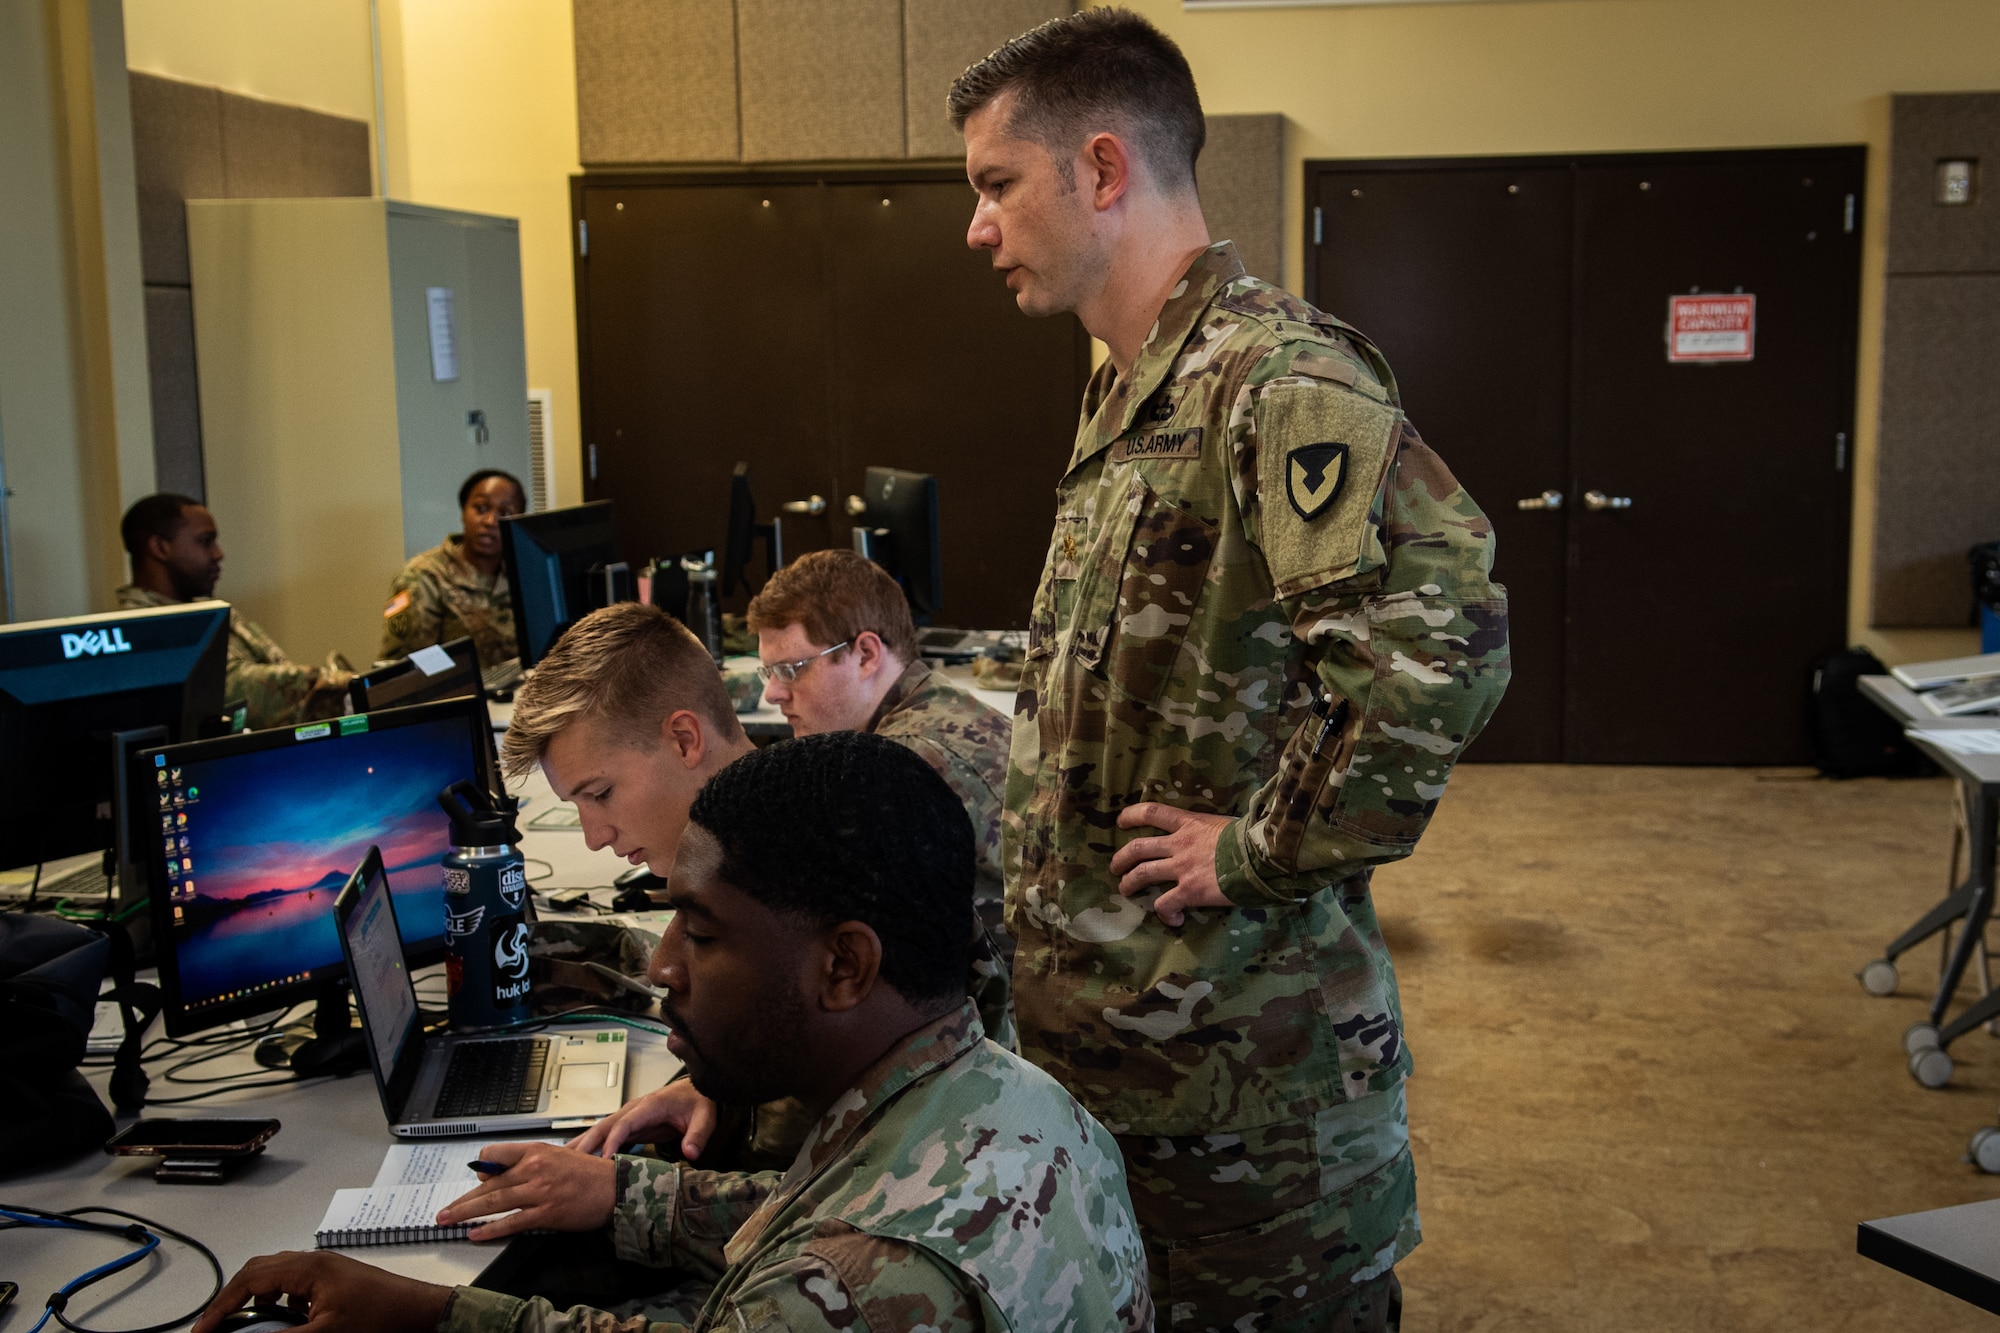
<point x="1265" y="633"/>
<point x="947" y="1185"/>
<point x="840" y="654"/>
<point x="457" y="588"/>
<point x="177" y="558"/>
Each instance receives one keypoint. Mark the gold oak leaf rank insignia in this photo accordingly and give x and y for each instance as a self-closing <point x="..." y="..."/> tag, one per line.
<point x="1314" y="474"/>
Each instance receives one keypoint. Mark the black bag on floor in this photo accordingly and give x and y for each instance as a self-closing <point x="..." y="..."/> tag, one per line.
<point x="1852" y="737"/>
<point x="50" y="973"/>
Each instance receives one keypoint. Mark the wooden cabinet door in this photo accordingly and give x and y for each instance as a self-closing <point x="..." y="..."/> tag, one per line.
<point x="815" y="326"/>
<point x="1462" y="278"/>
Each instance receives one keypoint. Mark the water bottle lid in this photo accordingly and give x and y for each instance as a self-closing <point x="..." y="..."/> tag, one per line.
<point x="479" y="818"/>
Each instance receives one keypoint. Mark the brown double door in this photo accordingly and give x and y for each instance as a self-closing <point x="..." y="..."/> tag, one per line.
<point x="814" y="326"/>
<point x="1673" y="534"/>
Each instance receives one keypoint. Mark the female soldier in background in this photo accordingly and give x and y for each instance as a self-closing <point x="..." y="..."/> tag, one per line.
<point x="457" y="587"/>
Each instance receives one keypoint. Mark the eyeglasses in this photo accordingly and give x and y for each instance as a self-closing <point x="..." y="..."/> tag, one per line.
<point x="789" y="671"/>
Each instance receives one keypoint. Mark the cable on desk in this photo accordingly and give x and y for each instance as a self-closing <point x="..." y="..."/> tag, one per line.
<point x="141" y="1233"/>
<point x="550" y="873"/>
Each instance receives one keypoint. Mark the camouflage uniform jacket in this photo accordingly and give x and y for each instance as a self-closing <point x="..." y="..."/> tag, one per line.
<point x="965" y="741"/>
<point x="441" y="596"/>
<point x="954" y="1188"/>
<point x="277" y="690"/>
<point x="1265" y="597"/>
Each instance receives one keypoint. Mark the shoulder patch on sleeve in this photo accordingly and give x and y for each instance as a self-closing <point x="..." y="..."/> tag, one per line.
<point x="397" y="605"/>
<point x="1321" y="455"/>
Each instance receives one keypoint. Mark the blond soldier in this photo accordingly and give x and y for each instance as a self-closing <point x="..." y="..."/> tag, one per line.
<point x="457" y="588"/>
<point x="1264" y="634"/>
<point x="177" y="557"/>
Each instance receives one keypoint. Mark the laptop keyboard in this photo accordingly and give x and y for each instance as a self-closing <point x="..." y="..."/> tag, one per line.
<point x="501" y="676"/>
<point x="494" y="1077"/>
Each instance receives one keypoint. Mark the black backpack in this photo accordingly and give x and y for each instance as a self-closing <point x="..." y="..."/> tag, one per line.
<point x="1852" y="737"/>
<point x="51" y="972"/>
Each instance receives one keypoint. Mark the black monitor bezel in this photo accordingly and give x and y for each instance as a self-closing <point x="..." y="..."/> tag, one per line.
<point x="198" y="694"/>
<point x="906" y="520"/>
<point x="592" y="514"/>
<point x="394" y="1083"/>
<point x="424" y="952"/>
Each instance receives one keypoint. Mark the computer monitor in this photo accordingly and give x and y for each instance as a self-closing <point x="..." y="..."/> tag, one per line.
<point x="75" y="696"/>
<point x="558" y="565"/>
<point x="899" y="531"/>
<point x="441" y="671"/>
<point x="740" y="543"/>
<point x="266" y="827"/>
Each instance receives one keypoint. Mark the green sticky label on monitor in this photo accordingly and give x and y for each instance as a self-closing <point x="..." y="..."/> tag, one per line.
<point x="353" y="723"/>
<point x="313" y="732"/>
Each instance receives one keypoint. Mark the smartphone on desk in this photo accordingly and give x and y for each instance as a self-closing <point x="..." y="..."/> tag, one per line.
<point x="219" y="1137"/>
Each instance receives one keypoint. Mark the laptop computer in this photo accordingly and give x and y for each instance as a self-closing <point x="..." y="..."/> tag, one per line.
<point x="437" y="1086"/>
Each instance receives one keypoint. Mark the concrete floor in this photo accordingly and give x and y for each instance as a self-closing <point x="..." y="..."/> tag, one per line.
<point x="1650" y="1093"/>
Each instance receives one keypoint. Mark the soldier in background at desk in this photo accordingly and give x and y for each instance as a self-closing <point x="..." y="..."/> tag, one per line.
<point x="840" y="654"/>
<point x="457" y="588"/>
<point x="177" y="557"/>
<point x="821" y="889"/>
<point x="1264" y="635"/>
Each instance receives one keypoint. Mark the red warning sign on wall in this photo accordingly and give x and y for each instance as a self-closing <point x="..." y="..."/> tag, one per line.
<point x="1711" y="328"/>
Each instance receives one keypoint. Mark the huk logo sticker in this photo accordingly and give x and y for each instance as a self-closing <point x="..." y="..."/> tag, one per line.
<point x="94" y="643"/>
<point x="1314" y="474"/>
<point x="510" y="950"/>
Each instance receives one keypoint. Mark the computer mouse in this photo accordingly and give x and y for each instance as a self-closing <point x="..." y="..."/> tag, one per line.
<point x="261" y="1319"/>
<point x="635" y="889"/>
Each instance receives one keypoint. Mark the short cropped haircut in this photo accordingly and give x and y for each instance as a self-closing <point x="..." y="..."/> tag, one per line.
<point x="485" y="473"/>
<point x="836" y="596"/>
<point x="848" y="826"/>
<point x="629" y="666"/>
<point x="154" y="516"/>
<point x="1100" y="69"/>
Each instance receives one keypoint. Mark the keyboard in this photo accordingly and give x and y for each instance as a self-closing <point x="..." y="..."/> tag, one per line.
<point x="501" y="677"/>
<point x="493" y="1078"/>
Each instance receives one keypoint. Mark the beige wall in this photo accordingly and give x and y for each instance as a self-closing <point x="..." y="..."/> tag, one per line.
<point x="75" y="418"/>
<point x="480" y="99"/>
<point x="1605" y="76"/>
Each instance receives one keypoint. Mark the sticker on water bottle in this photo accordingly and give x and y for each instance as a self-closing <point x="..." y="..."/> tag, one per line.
<point x="510" y="964"/>
<point x="513" y="886"/>
<point x="457" y="925"/>
<point x="457" y="880"/>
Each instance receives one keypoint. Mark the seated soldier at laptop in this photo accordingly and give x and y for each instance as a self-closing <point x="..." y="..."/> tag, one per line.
<point x="628" y="718"/>
<point x="820" y="893"/>
<point x="177" y="557"/>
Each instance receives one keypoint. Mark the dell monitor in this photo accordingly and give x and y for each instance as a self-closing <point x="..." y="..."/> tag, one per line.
<point x="561" y="565"/>
<point x="75" y="696"/>
<point x="254" y="835"/>
<point x="899" y="531"/>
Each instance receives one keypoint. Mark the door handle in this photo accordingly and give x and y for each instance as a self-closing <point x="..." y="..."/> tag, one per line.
<point x="811" y="507"/>
<point x="1599" y="500"/>
<point x="856" y="506"/>
<point x="1546" y="500"/>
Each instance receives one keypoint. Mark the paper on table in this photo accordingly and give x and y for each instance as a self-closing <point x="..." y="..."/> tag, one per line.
<point x="399" y="1214"/>
<point x="438" y="1163"/>
<point x="1968" y="741"/>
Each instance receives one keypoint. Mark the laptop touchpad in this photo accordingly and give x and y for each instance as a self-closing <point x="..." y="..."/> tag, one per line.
<point x="582" y="1077"/>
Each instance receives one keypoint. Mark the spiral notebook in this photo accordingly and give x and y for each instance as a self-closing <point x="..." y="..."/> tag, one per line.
<point x="401" y="1207"/>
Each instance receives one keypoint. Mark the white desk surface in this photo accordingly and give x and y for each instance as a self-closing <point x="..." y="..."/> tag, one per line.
<point x="334" y="1137"/>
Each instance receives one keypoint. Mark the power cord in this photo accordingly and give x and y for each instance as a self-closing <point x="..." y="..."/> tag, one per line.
<point x="141" y="1232"/>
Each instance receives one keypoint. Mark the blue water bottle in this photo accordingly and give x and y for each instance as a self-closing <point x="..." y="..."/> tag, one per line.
<point x="486" y="926"/>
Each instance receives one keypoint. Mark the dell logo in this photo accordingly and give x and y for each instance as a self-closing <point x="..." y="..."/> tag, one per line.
<point x="93" y="642"/>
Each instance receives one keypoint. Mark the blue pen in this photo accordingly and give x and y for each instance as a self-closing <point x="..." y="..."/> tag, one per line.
<point x="487" y="1168"/>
